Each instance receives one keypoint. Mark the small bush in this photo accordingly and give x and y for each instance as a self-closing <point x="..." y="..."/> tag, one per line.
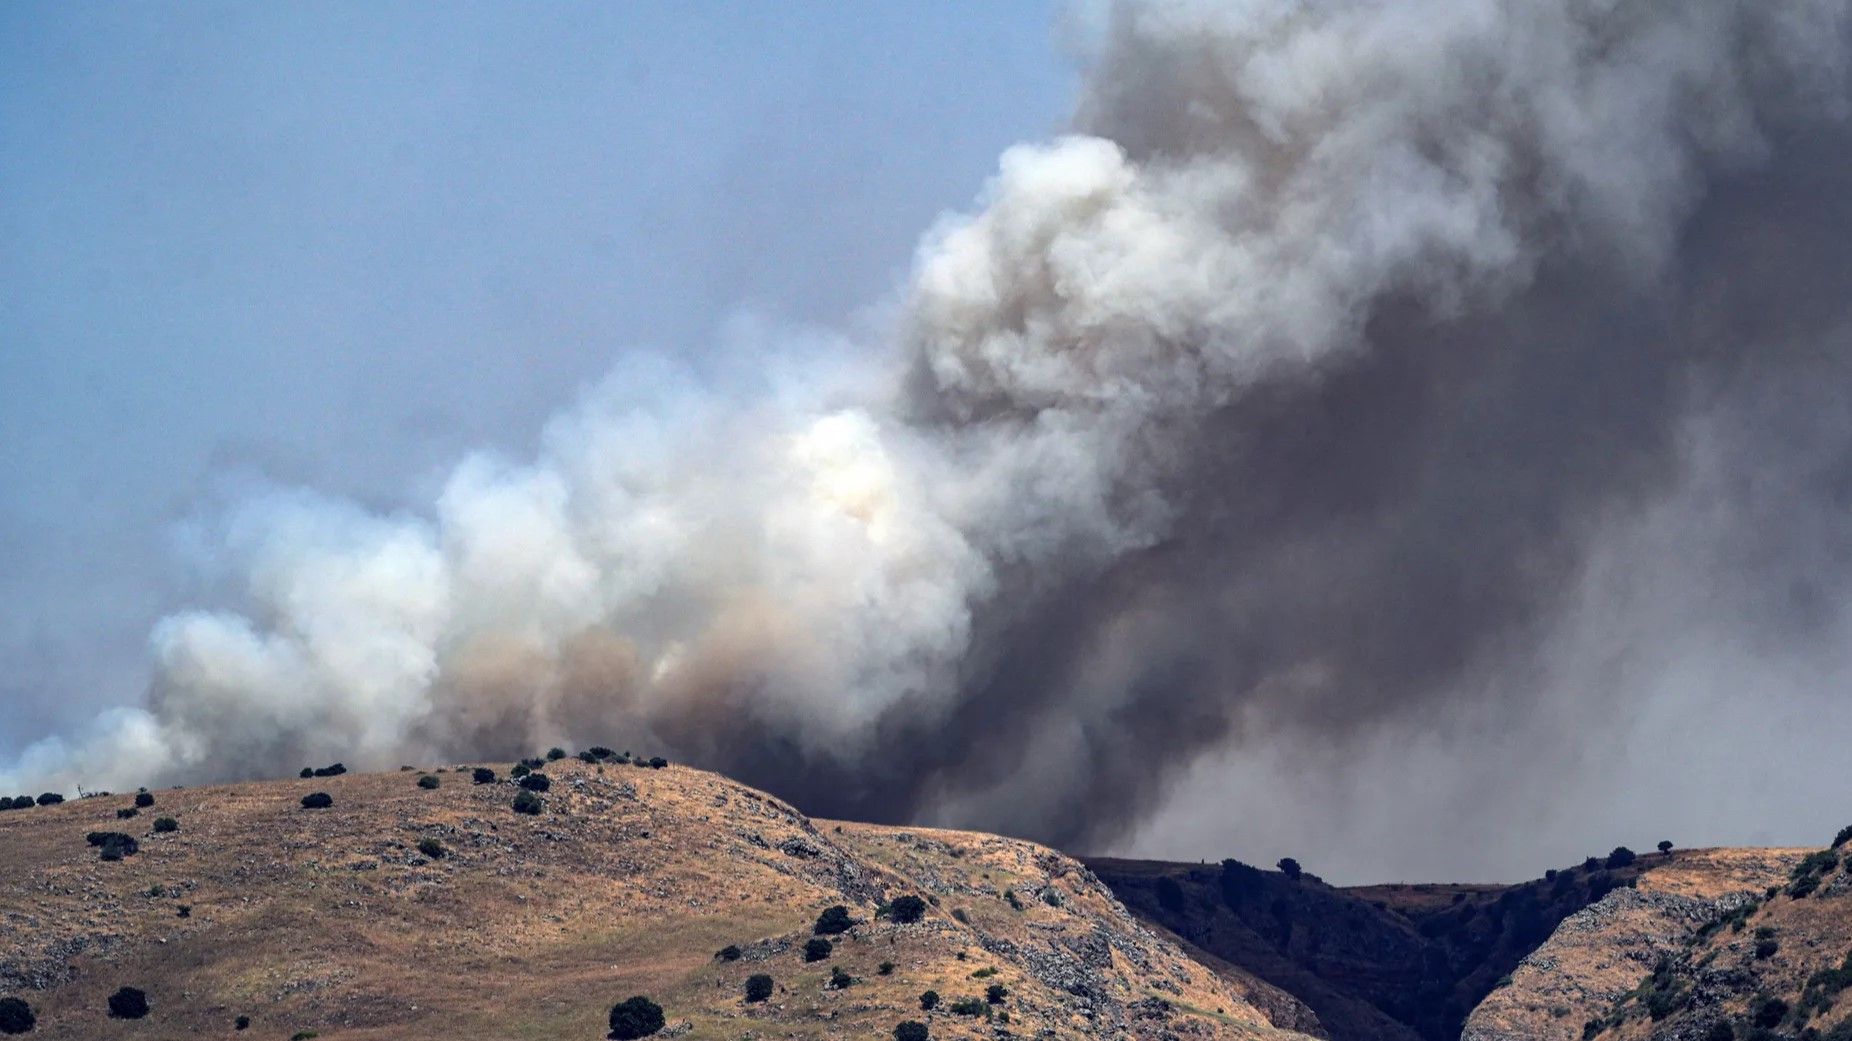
<point x="528" y="803"/>
<point x="305" y="1035"/>
<point x="1051" y="896"/>
<point x="555" y="754"/>
<point x="1290" y="868"/>
<point x="911" y="1030"/>
<point x="969" y="1007"/>
<point x="50" y="799"/>
<point x="635" y="1017"/>
<point x="128" y="1003"/>
<point x="758" y="988"/>
<point x="165" y="825"/>
<point x="995" y="993"/>
<point x="1665" y="845"/>
<point x="432" y="848"/>
<point x="306" y="772"/>
<point x="1720" y="1031"/>
<point x="817" y="949"/>
<point x="114" y="845"/>
<point x="984" y="973"/>
<point x="886" y="968"/>
<point x="482" y="775"/>
<point x="242" y="1023"/>
<point x="601" y="752"/>
<point x="907" y="909"/>
<point x="126" y="813"/>
<point x="15" y="1016"/>
<point x="1768" y="1011"/>
<point x="1591" y="864"/>
<point x="1015" y="902"/>
<point x="428" y="782"/>
<point x="730" y="952"/>
<point x="1620" y="858"/>
<point x="1801" y="887"/>
<point x="1844" y="836"/>
<point x="1766" y="948"/>
<point x="317" y="801"/>
<point x="840" y="980"/>
<point x="657" y="762"/>
<point x="587" y="757"/>
<point x="331" y="771"/>
<point x="929" y="1001"/>
<point x="144" y="800"/>
<point x="537" y="782"/>
<point x="832" y="921"/>
<point x="519" y="771"/>
<point x="963" y="918"/>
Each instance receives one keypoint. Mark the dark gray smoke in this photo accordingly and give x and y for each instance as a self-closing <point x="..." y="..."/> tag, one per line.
<point x="1383" y="409"/>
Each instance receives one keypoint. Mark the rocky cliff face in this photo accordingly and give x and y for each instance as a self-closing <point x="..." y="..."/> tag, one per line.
<point x="409" y="912"/>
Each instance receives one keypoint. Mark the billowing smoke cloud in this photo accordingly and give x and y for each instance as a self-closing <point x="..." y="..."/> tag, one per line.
<point x="1340" y="374"/>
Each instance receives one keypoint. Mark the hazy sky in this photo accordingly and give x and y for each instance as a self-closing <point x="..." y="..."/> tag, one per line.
<point x="339" y="244"/>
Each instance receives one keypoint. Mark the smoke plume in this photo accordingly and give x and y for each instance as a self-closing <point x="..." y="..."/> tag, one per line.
<point x="1350" y="373"/>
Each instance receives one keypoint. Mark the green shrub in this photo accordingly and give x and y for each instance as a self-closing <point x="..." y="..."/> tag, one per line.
<point x="482" y="775"/>
<point x="911" y="1030"/>
<point x="1801" y="887"/>
<point x="432" y="848"/>
<point x="1665" y="845"/>
<point x="1765" y="949"/>
<point x="528" y="803"/>
<point x="635" y="1017"/>
<point x="1620" y="858"/>
<point x="657" y="762"/>
<point x="128" y="1003"/>
<point x="832" y="921"/>
<point x="144" y="800"/>
<point x="554" y="754"/>
<point x="969" y="1007"/>
<point x="127" y="812"/>
<point x="305" y="1035"/>
<point x="1768" y="1011"/>
<point x="817" y="949"/>
<point x="428" y="782"/>
<point x="995" y="993"/>
<point x="1015" y="902"/>
<point x="306" y="772"/>
<point x="730" y="952"/>
<point x="317" y="801"/>
<point x="1844" y="836"/>
<point x="929" y="1001"/>
<point x="758" y="988"/>
<point x="519" y="771"/>
<point x="50" y="799"/>
<point x="1290" y="868"/>
<point x="537" y="782"/>
<point x="906" y="909"/>
<point x="840" y="980"/>
<point x="330" y="771"/>
<point x="601" y="752"/>
<point x="587" y="756"/>
<point x="886" y="968"/>
<point x="15" y="1016"/>
<point x="165" y="825"/>
<point x="114" y="845"/>
<point x="242" y="1023"/>
<point x="1720" y="1031"/>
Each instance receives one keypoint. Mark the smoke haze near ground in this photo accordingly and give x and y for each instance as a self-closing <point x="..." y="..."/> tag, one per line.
<point x="1411" y="438"/>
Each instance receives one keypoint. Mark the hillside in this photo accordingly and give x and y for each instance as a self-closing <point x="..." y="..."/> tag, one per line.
<point x="1373" y="963"/>
<point x="628" y="882"/>
<point x="1721" y="945"/>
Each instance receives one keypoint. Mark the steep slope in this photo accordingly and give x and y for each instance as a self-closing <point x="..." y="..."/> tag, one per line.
<point x="1374" y="963"/>
<point x="1728" y="944"/>
<point x="628" y="882"/>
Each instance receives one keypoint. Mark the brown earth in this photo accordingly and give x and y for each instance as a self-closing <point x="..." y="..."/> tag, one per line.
<point x="333" y="921"/>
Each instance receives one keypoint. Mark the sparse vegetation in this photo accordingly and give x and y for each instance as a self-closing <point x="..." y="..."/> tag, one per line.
<point x="758" y="988"/>
<point x="817" y="949"/>
<point x="432" y="848"/>
<point x="15" y="1016"/>
<point x="911" y="1030"/>
<point x="317" y="801"/>
<point x="832" y="921"/>
<point x="969" y="1007"/>
<point x="886" y="968"/>
<point x="635" y="1017"/>
<point x="996" y="993"/>
<point x="907" y="909"/>
<point x="127" y="812"/>
<point x="528" y="803"/>
<point x="428" y="782"/>
<point x="128" y="1003"/>
<point x="840" y="980"/>
<point x="165" y="825"/>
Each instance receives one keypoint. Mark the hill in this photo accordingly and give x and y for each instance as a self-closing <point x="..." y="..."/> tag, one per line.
<point x="409" y="912"/>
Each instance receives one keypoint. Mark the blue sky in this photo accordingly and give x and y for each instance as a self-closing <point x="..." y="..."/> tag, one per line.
<point x="340" y="244"/>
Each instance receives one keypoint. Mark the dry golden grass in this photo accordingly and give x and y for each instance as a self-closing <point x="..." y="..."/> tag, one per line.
<point x="532" y="927"/>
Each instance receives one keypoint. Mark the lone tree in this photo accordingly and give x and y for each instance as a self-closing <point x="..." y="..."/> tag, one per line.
<point x="15" y="1016"/>
<point x="758" y="988"/>
<point x="906" y="909"/>
<point x="635" y="1017"/>
<point x="1620" y="858"/>
<point x="911" y="1030"/>
<point x="1665" y="845"/>
<point x="832" y="921"/>
<point x="817" y="949"/>
<point x="1290" y="868"/>
<point x="128" y="1003"/>
<point x="317" y="801"/>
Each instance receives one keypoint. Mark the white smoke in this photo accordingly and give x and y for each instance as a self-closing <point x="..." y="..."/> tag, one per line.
<point x="828" y="536"/>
